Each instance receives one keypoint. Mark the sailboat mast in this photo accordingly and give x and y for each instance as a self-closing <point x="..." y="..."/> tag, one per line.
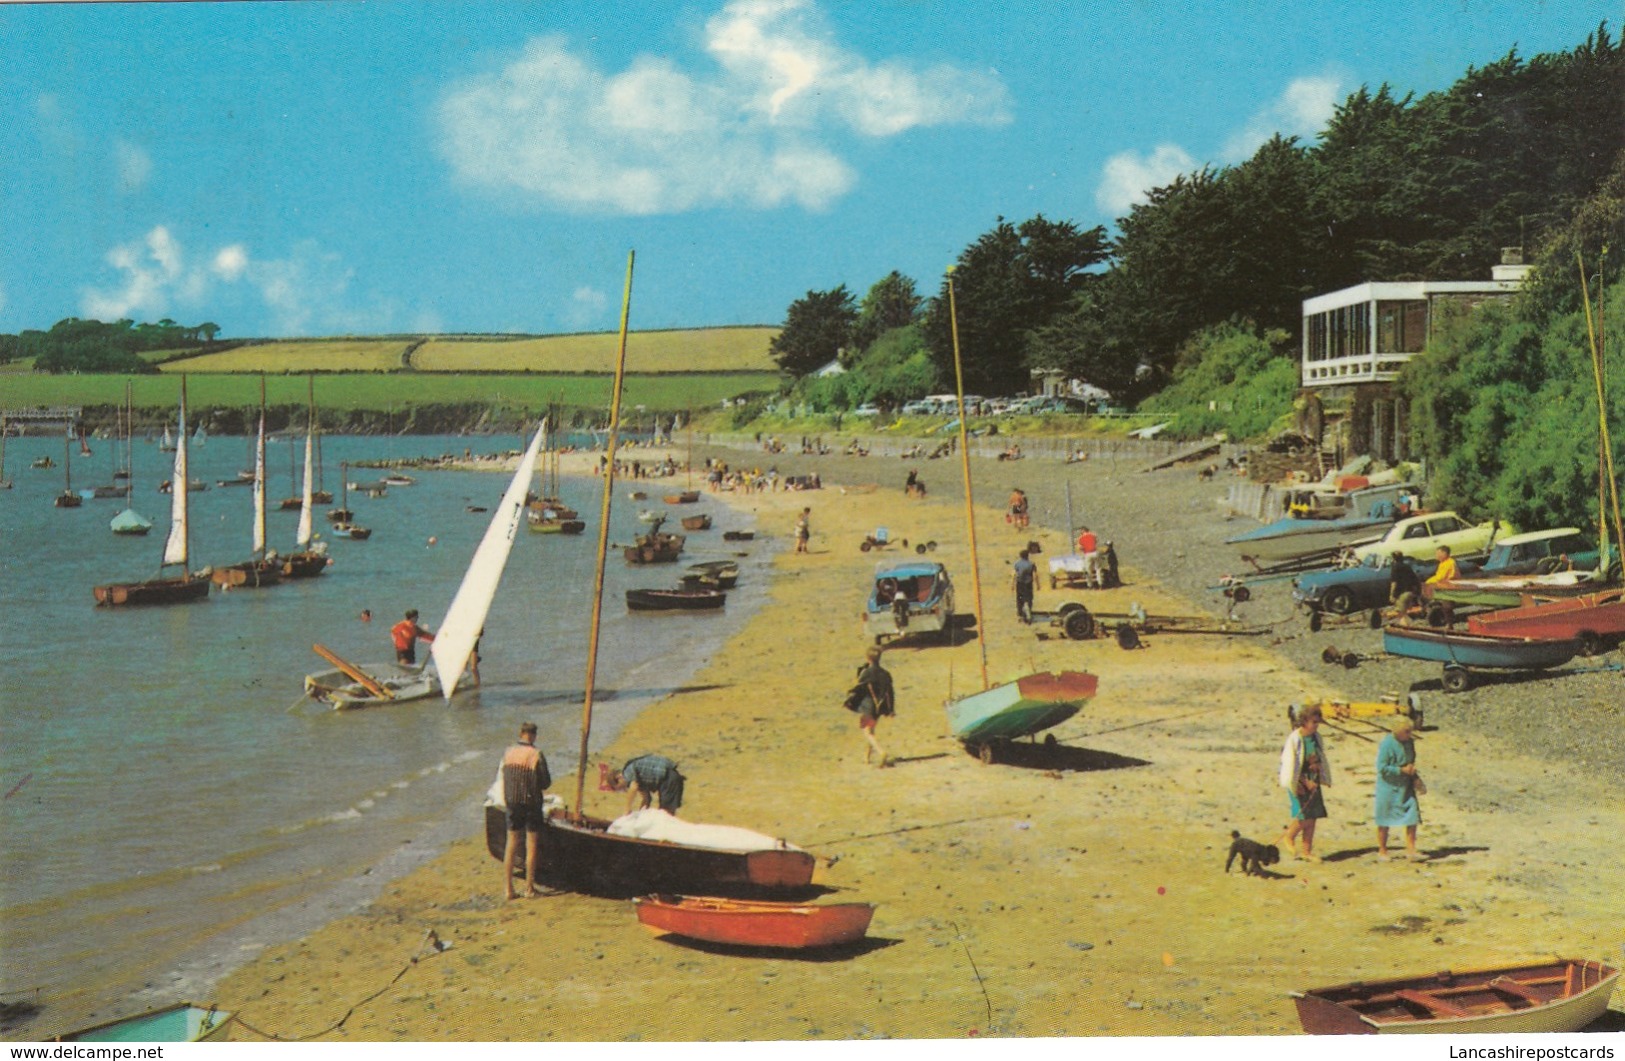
<point x="603" y="537"/>
<point x="259" y="480"/>
<point x="964" y="460"/>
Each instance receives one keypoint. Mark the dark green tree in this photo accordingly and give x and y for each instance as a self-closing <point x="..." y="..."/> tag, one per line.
<point x="816" y="328"/>
<point x="891" y="303"/>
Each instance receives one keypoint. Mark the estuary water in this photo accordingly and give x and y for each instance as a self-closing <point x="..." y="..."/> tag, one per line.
<point x="171" y="802"/>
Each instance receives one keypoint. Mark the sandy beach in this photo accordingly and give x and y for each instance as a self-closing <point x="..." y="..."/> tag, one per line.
<point x="1075" y="893"/>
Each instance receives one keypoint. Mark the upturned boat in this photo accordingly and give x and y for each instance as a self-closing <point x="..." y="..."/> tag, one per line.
<point x="1028" y="705"/>
<point x="1596" y="620"/>
<point x="669" y="600"/>
<point x="1556" y="995"/>
<point x="760" y="923"/>
<point x="687" y="497"/>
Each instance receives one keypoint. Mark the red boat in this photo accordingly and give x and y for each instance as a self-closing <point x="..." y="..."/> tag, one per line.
<point x="1596" y="620"/>
<point x="687" y="497"/>
<point x="792" y="926"/>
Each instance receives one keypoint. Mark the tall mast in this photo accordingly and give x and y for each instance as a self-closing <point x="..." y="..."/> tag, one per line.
<point x="964" y="459"/>
<point x="603" y="537"/>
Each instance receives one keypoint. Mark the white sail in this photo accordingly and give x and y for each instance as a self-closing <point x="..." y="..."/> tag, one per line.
<point x="454" y="641"/>
<point x="175" y="547"/>
<point x="259" y="490"/>
<point x="305" y="498"/>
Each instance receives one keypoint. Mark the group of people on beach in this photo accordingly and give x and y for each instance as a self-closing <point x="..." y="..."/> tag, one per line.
<point x="1306" y="774"/>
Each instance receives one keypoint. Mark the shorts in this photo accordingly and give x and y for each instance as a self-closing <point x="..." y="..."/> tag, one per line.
<point x="407" y="656"/>
<point x="526" y="819"/>
<point x="866" y="721"/>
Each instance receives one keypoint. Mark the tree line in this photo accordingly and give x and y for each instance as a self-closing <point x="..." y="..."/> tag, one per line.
<point x="1396" y="187"/>
<point x="75" y="345"/>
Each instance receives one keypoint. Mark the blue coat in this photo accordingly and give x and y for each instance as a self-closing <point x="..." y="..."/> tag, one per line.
<point x="1396" y="792"/>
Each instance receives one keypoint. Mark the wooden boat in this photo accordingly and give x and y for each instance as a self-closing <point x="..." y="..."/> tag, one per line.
<point x="638" y="495"/>
<point x="1028" y="705"/>
<point x="397" y="479"/>
<point x="259" y="570"/>
<point x="180" y="1023"/>
<point x="353" y="531"/>
<point x="1509" y="591"/>
<point x="724" y="573"/>
<point x="1461" y="653"/>
<point x="744" y="923"/>
<point x="346" y="527"/>
<point x="1558" y="995"/>
<point x="687" y="497"/>
<point x="1596" y="620"/>
<point x="175" y="589"/>
<point x="360" y="686"/>
<point x="670" y="600"/>
<point x="738" y="536"/>
<point x="340" y="515"/>
<point x="696" y="523"/>
<point x="546" y="520"/>
<point x="655" y="547"/>
<point x="193" y="486"/>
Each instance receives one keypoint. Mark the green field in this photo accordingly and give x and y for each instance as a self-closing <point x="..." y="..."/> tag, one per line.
<point x="689" y="350"/>
<point x="385" y="391"/>
<point x="318" y="355"/>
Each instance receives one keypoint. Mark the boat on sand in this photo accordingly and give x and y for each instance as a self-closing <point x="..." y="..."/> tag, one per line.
<point x="746" y="923"/>
<point x="1556" y="995"/>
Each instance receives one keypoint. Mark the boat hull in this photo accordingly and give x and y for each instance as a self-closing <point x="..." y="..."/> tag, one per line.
<point x="687" y="497"/>
<point x="1596" y="620"/>
<point x="696" y="523"/>
<point x="253" y="574"/>
<point x="670" y="600"/>
<point x="342" y="693"/>
<point x="584" y="856"/>
<point x="1562" y="995"/>
<point x="1453" y="648"/>
<point x="183" y="1023"/>
<point x="790" y="926"/>
<point x="1028" y="705"/>
<point x="154" y="591"/>
<point x="304" y="565"/>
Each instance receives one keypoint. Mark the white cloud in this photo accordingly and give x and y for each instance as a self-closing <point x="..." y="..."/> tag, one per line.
<point x="758" y="127"/>
<point x="306" y="292"/>
<point x="1128" y="176"/>
<point x="1302" y="110"/>
<point x="134" y="166"/>
<point x="586" y="308"/>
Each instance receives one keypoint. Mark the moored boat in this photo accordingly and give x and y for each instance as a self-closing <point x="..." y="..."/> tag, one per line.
<point x="687" y="497"/>
<point x="696" y="523"/>
<point x="669" y="600"/>
<point x="260" y="569"/>
<point x="1461" y="653"/>
<point x="758" y="923"/>
<point x="1556" y="995"/>
<point x="738" y="536"/>
<point x="722" y="574"/>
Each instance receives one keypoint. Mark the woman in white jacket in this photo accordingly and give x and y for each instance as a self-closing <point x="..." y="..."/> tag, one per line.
<point x="1305" y="774"/>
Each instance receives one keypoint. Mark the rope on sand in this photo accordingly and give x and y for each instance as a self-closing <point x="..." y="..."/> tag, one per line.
<point x="430" y="940"/>
<point x="960" y="936"/>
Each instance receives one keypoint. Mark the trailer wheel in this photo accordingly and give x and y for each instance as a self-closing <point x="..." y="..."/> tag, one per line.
<point x="1456" y="679"/>
<point x="1350" y="660"/>
<point x="866" y="545"/>
<point x="1591" y="643"/>
<point x="1241" y="594"/>
<point x="920" y="549"/>
<point x="1127" y="638"/>
<point x="1374" y="620"/>
<point x="1078" y="624"/>
<point x="931" y="545"/>
<point x="1315" y="622"/>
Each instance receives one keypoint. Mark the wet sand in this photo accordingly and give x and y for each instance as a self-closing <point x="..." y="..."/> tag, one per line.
<point x="1080" y="892"/>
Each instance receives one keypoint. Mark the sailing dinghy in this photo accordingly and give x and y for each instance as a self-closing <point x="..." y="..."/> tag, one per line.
<point x="260" y="569"/>
<point x="311" y="559"/>
<point x="349" y="685"/>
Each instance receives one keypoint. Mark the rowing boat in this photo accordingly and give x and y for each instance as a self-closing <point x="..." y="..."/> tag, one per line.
<point x="1028" y="705"/>
<point x="790" y="926"/>
<point x="1557" y="995"/>
<point x="180" y="1023"/>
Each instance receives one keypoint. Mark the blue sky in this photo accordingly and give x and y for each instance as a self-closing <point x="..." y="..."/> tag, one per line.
<point x="324" y="168"/>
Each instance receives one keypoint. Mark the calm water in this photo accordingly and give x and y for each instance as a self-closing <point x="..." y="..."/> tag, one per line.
<point x="166" y="785"/>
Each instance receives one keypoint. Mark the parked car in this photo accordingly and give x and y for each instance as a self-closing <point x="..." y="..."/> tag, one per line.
<point x="866" y="409"/>
<point x="1345" y="590"/>
<point x="1541" y="552"/>
<point x="1419" y="536"/>
<point x="909" y="598"/>
<point x="920" y="407"/>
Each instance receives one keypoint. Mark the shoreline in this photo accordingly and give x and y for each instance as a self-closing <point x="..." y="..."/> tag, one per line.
<point x="1118" y="848"/>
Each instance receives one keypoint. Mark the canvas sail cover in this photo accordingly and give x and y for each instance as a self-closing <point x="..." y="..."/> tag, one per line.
<point x="175" y="547"/>
<point x="454" y="641"/>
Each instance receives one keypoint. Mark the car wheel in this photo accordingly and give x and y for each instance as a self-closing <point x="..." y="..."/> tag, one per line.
<point x="1456" y="679"/>
<point x="1374" y="620"/>
<point x="1339" y="600"/>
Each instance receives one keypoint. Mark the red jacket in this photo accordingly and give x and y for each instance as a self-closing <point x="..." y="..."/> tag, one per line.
<point x="405" y="631"/>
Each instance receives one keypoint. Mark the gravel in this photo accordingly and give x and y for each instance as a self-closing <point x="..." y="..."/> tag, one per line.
<point x="1170" y="526"/>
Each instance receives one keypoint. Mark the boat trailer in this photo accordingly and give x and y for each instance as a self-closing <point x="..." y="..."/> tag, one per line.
<point x="1078" y="623"/>
<point x="1345" y="711"/>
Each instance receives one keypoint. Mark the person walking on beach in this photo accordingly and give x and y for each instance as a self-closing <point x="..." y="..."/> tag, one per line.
<point x="1024" y="574"/>
<point x="803" y="529"/>
<point x="873" y="698"/>
<point x="648" y="776"/>
<point x="406" y="634"/>
<point x="524" y="781"/>
<point x="1398" y="785"/>
<point x="1305" y="774"/>
<point x="1018" y="509"/>
<point x="1089" y="550"/>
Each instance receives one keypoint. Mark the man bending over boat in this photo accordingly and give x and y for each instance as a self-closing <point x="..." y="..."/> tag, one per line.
<point x="406" y="635"/>
<point x="524" y="782"/>
<point x="648" y="776"/>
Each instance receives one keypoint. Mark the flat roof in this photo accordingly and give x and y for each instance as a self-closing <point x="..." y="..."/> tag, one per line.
<point x="1378" y="291"/>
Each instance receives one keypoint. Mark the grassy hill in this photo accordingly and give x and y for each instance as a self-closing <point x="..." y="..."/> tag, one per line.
<point x="299" y="355"/>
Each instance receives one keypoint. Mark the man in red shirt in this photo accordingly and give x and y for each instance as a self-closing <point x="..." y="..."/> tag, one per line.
<point x="406" y="635"/>
<point x="1089" y="549"/>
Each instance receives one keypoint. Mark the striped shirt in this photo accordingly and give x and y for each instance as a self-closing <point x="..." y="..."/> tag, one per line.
<point x="524" y="776"/>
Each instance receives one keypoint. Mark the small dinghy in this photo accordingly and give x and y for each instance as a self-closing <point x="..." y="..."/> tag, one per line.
<point x="743" y="923"/>
<point x="696" y="523"/>
<point x="688" y="599"/>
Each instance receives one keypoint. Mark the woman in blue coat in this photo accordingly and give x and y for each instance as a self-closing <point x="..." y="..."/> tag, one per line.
<point x="1397" y="788"/>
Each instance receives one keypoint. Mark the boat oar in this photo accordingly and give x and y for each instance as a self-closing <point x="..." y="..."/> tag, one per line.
<point x="354" y="673"/>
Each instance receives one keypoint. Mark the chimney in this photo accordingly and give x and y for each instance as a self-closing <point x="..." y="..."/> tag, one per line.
<point x="1512" y="269"/>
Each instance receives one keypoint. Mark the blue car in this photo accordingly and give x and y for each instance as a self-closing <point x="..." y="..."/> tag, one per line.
<point x="913" y="597"/>
<point x="1345" y="590"/>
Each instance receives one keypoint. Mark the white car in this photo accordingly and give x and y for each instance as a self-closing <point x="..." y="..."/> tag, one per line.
<point x="866" y="409"/>
<point x="1418" y="537"/>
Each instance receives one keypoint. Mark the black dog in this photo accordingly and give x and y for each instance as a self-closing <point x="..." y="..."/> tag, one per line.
<point x="1254" y="855"/>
